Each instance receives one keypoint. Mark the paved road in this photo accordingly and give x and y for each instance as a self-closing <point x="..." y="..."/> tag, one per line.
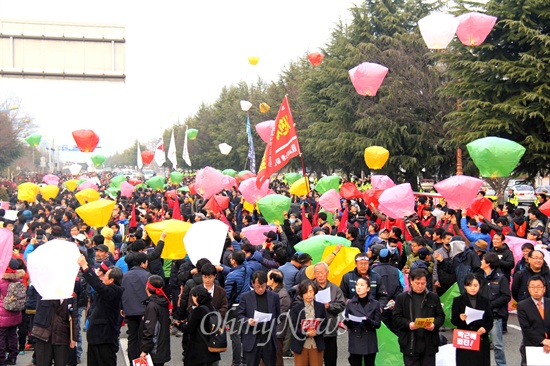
<point x="511" y="345"/>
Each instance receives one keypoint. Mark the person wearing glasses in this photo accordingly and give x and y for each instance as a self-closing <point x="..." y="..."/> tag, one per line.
<point x="536" y="266"/>
<point x="534" y="317"/>
<point x="257" y="315"/>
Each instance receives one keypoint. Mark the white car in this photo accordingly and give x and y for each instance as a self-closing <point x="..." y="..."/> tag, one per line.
<point x="524" y="193"/>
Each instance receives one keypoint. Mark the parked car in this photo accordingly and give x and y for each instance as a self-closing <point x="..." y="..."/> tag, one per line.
<point x="542" y="189"/>
<point x="524" y="193"/>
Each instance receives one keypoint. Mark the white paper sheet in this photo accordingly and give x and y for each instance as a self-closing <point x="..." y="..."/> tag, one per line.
<point x="262" y="317"/>
<point x="357" y="319"/>
<point x="536" y="356"/>
<point x="323" y="296"/>
<point x="473" y="314"/>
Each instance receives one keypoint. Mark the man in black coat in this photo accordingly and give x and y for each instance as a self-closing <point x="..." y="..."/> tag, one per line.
<point x="104" y="322"/>
<point x="418" y="345"/>
<point x="535" y="327"/>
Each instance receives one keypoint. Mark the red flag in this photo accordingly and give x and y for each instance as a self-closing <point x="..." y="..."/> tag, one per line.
<point x="343" y="222"/>
<point x="306" y="225"/>
<point x="176" y="213"/>
<point x="282" y="146"/>
<point x="315" y="220"/>
<point x="214" y="206"/>
<point x="133" y="221"/>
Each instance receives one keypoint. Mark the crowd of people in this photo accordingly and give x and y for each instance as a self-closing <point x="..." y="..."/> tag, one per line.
<point x="272" y="300"/>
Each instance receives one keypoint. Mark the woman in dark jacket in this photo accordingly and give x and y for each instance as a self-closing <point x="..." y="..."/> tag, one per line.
<point x="471" y="298"/>
<point x="155" y="324"/>
<point x="197" y="353"/>
<point x="308" y="320"/>
<point x="366" y="318"/>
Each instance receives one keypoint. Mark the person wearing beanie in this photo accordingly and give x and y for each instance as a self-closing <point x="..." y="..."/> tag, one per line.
<point x="9" y="320"/>
<point x="424" y="260"/>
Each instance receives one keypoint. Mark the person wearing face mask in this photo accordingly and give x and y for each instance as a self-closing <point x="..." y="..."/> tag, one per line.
<point x="444" y="275"/>
<point x="394" y="255"/>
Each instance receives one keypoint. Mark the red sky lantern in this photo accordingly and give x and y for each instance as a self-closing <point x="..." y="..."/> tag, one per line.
<point x="86" y="140"/>
<point x="367" y="78"/>
<point x="474" y="27"/>
<point x="315" y="58"/>
<point x="147" y="157"/>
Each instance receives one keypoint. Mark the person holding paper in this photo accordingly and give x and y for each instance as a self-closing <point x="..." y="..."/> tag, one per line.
<point x="334" y="301"/>
<point x="534" y="317"/>
<point x="259" y="336"/>
<point x="308" y="320"/>
<point x="364" y="316"/>
<point x="418" y="345"/>
<point x="464" y="304"/>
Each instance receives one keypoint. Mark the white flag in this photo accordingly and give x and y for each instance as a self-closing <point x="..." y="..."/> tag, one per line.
<point x="185" y="152"/>
<point x="160" y="156"/>
<point x="139" y="159"/>
<point x="172" y="152"/>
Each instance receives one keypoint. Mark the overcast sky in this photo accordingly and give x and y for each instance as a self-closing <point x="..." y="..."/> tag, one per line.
<point x="179" y="54"/>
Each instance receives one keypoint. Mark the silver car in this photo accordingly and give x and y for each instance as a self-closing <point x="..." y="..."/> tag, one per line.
<point x="524" y="193"/>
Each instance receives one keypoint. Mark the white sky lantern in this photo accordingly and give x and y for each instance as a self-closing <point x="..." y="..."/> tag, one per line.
<point x="75" y="169"/>
<point x="225" y="148"/>
<point x="438" y="30"/>
<point x="245" y="105"/>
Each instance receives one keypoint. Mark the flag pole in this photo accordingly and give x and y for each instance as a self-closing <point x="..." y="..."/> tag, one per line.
<point x="304" y="172"/>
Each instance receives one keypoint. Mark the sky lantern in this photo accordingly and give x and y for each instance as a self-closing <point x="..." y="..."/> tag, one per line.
<point x="86" y="140"/>
<point x="53" y="268"/>
<point x="253" y="60"/>
<point x="51" y="179"/>
<point x="327" y="183"/>
<point x="208" y="182"/>
<point x="367" y="78"/>
<point x="71" y="184"/>
<point x="34" y="140"/>
<point x="273" y="206"/>
<point x="225" y="148"/>
<point x="300" y="187"/>
<point x="75" y="168"/>
<point x="264" y="107"/>
<point x="245" y="105"/>
<point x="438" y="30"/>
<point x="229" y="172"/>
<point x="494" y="156"/>
<point x="292" y="177"/>
<point x="212" y="232"/>
<point x="174" y="247"/>
<point x="349" y="191"/>
<point x="397" y="202"/>
<point x="264" y="129"/>
<point x="49" y="191"/>
<point x="126" y="189"/>
<point x="330" y="200"/>
<point x="459" y="191"/>
<point x="87" y="195"/>
<point x="381" y="182"/>
<point x="27" y="191"/>
<point x="192" y="133"/>
<point x="315" y="58"/>
<point x="474" y="27"/>
<point x="156" y="182"/>
<point x="376" y="157"/>
<point x="255" y="233"/>
<point x="98" y="159"/>
<point x="176" y="177"/>
<point x="147" y="157"/>
<point x="96" y="213"/>
<point x="250" y="192"/>
<point x="343" y="263"/>
<point x="315" y="246"/>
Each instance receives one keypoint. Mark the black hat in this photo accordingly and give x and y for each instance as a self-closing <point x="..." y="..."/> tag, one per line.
<point x="102" y="247"/>
<point x="271" y="235"/>
<point x="14" y="264"/>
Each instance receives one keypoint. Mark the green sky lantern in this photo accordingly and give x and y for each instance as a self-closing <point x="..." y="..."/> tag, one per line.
<point x="292" y="177"/>
<point x="315" y="246"/>
<point x="192" y="133"/>
<point x="230" y="172"/>
<point x="98" y="159"/>
<point x="272" y="208"/>
<point x="183" y="189"/>
<point x="156" y="182"/>
<point x="176" y="177"/>
<point x="494" y="156"/>
<point x="34" y="140"/>
<point x="325" y="184"/>
<point x="115" y="181"/>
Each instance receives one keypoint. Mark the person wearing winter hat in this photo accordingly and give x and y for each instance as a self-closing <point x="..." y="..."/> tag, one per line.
<point x="108" y="234"/>
<point x="480" y="247"/>
<point x="9" y="320"/>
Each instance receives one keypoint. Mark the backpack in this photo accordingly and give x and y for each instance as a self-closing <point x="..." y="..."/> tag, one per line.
<point x="16" y="297"/>
<point x="362" y="231"/>
<point x="217" y="339"/>
<point x="520" y="229"/>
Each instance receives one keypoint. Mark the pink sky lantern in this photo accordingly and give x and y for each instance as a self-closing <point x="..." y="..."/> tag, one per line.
<point x="208" y="182"/>
<point x="6" y="245"/>
<point x="397" y="202"/>
<point x="367" y="78"/>
<point x="264" y="129"/>
<point x="459" y="191"/>
<point x="438" y="30"/>
<point x="480" y="206"/>
<point x="316" y="58"/>
<point x="255" y="233"/>
<point x="381" y="182"/>
<point x="330" y="200"/>
<point x="251" y="193"/>
<point x="474" y="27"/>
<point x="126" y="189"/>
<point x="87" y="184"/>
<point x="51" y="179"/>
<point x="515" y="243"/>
<point x="228" y="182"/>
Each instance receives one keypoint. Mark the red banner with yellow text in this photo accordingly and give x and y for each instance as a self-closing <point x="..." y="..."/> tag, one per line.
<point x="282" y="146"/>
